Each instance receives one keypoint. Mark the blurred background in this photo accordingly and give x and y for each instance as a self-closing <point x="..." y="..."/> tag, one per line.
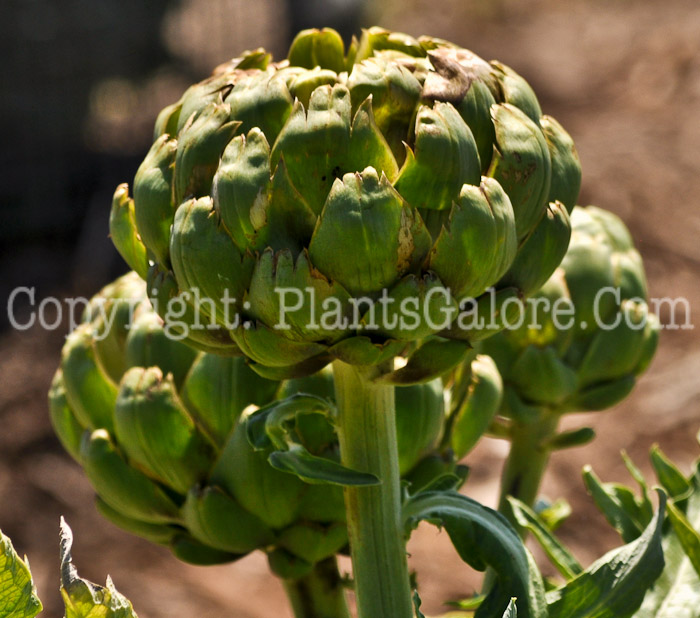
<point x="82" y="82"/>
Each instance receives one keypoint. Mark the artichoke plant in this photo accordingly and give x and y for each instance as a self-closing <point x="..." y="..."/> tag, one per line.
<point x="282" y="202"/>
<point x="160" y="430"/>
<point x="582" y="341"/>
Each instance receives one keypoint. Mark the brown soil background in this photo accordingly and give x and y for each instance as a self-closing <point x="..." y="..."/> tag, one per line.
<point x="624" y="78"/>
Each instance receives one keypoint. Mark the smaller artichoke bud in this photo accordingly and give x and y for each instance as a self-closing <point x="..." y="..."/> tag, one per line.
<point x="584" y="338"/>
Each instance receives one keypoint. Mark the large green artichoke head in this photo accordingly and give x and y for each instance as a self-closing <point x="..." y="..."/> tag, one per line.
<point x="588" y="333"/>
<point x="161" y="432"/>
<point x="294" y="194"/>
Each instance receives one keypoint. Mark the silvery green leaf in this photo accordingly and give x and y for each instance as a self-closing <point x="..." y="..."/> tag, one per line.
<point x="614" y="586"/>
<point x="18" y="597"/>
<point x="82" y="598"/>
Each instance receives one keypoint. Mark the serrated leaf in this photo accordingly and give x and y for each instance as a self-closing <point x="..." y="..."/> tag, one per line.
<point x="417" y="604"/>
<point x="676" y="594"/>
<point x="82" y="598"/>
<point x="670" y="477"/>
<point x="483" y="537"/>
<point x="318" y="470"/>
<point x="616" y="511"/>
<point x="559" y="555"/>
<point x="687" y="535"/>
<point x="18" y="598"/>
<point x="614" y="586"/>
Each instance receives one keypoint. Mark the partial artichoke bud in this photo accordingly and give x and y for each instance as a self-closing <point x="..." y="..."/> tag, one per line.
<point x="587" y="334"/>
<point x="161" y="431"/>
<point x="280" y="200"/>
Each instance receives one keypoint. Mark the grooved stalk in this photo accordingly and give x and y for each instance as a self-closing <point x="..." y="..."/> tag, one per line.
<point x="367" y="435"/>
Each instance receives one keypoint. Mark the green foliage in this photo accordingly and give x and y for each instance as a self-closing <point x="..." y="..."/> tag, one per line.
<point x="82" y="598"/>
<point x="18" y="597"/>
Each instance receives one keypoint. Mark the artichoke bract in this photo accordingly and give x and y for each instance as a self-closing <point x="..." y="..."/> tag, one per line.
<point x="587" y="333"/>
<point x="161" y="432"/>
<point x="281" y="201"/>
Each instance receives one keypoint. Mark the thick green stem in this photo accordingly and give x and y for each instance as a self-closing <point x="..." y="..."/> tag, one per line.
<point x="320" y="594"/>
<point x="526" y="463"/>
<point x="367" y="435"/>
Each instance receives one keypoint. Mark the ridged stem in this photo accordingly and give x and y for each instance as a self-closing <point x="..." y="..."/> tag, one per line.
<point x="526" y="463"/>
<point x="367" y="434"/>
<point x="320" y="594"/>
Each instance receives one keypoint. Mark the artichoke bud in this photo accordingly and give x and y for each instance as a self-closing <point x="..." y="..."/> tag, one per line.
<point x="516" y="91"/>
<point x="167" y="121"/>
<point x="63" y="421"/>
<point x="313" y="542"/>
<point x="420" y="416"/>
<point x="161" y="534"/>
<point x="478" y="242"/>
<point x="122" y="487"/>
<point x="521" y="164"/>
<point x="274" y="497"/>
<point x="207" y="264"/>
<point x="541" y="253"/>
<point x="566" y="166"/>
<point x="153" y="206"/>
<point x="199" y="146"/>
<point x="147" y="345"/>
<point x="364" y="217"/>
<point x="481" y="402"/>
<point x="122" y="229"/>
<point x="444" y="158"/>
<point x="90" y="393"/>
<point x="157" y="433"/>
<point x="220" y="522"/>
<point x="218" y="389"/>
<point x="293" y="293"/>
<point x="318" y="48"/>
